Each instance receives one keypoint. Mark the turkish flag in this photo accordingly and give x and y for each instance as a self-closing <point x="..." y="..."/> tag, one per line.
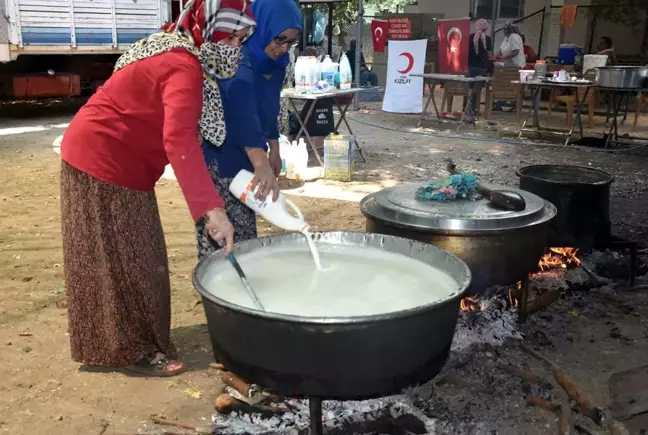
<point x="379" y="31"/>
<point x="454" y="43"/>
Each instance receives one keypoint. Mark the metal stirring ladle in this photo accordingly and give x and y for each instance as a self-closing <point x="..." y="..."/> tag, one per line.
<point x="244" y="280"/>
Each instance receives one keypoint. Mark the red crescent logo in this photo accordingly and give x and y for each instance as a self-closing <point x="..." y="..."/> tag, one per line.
<point x="410" y="63"/>
<point x="378" y="33"/>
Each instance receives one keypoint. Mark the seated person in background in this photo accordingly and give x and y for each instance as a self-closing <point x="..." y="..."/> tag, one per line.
<point x="321" y="122"/>
<point x="529" y="53"/>
<point x="367" y="77"/>
<point x="605" y="46"/>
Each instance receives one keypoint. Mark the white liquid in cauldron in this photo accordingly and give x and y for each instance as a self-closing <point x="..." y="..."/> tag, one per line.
<point x="356" y="281"/>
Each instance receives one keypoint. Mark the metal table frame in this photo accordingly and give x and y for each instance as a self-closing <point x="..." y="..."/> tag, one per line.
<point x="534" y="110"/>
<point x="291" y="95"/>
<point x="615" y="102"/>
<point x="432" y="79"/>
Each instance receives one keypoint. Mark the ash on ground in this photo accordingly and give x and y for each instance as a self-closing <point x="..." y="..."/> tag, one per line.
<point x="484" y="386"/>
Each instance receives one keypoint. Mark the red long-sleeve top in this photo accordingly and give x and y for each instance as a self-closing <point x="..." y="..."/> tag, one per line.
<point x="143" y="118"/>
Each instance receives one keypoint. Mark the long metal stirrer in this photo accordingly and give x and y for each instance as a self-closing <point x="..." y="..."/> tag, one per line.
<point x="245" y="281"/>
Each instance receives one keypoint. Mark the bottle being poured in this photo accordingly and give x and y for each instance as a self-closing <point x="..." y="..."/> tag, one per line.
<point x="276" y="212"/>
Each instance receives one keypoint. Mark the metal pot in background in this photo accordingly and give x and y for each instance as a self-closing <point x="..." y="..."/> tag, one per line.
<point x="335" y="358"/>
<point x="582" y="197"/>
<point x="622" y="77"/>
<point x="500" y="247"/>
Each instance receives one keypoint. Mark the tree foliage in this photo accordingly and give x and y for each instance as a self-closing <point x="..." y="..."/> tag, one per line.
<point x="388" y="5"/>
<point x="630" y="12"/>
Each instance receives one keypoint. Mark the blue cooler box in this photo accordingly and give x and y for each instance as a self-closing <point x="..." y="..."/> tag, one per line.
<point x="567" y="54"/>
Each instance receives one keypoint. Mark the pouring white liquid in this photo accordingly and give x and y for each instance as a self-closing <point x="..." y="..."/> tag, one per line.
<point x="275" y="212"/>
<point x="313" y="248"/>
<point x="357" y="281"/>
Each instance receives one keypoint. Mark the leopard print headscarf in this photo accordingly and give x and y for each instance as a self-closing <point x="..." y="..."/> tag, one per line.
<point x="198" y="29"/>
<point x="219" y="62"/>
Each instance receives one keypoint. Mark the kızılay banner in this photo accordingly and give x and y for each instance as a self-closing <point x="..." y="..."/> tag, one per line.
<point x="404" y="93"/>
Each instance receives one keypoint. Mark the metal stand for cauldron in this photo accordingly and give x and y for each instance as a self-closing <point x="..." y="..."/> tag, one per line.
<point x="315" y="410"/>
<point x="523" y="315"/>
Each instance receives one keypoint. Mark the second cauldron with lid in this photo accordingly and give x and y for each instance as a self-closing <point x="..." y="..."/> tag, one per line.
<point x="499" y="246"/>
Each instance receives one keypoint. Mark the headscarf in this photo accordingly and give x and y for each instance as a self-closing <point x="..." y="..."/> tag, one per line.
<point x="202" y="23"/>
<point x="510" y="28"/>
<point x="273" y="17"/>
<point x="481" y="26"/>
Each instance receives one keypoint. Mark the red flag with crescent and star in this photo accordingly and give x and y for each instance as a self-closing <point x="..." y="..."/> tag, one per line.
<point x="454" y="43"/>
<point x="379" y="31"/>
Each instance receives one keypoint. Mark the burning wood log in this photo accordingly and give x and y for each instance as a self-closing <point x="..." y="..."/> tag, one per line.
<point x="233" y="381"/>
<point x="225" y="404"/>
<point x="566" y="383"/>
<point x="524" y="375"/>
<point x="197" y="429"/>
<point x="542" y="403"/>
<point x="216" y="366"/>
<point x="542" y="301"/>
<point x="565" y="423"/>
<point x="584" y="424"/>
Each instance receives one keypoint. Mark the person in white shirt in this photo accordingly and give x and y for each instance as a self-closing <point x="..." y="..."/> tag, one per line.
<point x="512" y="48"/>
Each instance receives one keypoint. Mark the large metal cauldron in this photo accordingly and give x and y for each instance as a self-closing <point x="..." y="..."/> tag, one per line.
<point x="335" y="358"/>
<point x="582" y="197"/>
<point x="499" y="246"/>
<point x="622" y="77"/>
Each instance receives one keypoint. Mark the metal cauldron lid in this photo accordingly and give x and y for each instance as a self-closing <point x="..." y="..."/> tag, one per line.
<point x="399" y="206"/>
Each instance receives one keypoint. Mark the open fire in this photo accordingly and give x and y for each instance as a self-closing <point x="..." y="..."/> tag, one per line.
<point x="554" y="258"/>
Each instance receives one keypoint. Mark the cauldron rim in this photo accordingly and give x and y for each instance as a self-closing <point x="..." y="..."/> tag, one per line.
<point x="609" y="178"/>
<point x="337" y="321"/>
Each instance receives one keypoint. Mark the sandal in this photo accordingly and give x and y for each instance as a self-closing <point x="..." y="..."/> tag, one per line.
<point x="159" y="369"/>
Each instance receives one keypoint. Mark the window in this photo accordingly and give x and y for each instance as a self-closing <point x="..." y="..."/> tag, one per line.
<point x="509" y="9"/>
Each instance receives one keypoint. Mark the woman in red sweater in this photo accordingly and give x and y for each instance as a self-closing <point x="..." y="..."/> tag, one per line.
<point x="114" y="151"/>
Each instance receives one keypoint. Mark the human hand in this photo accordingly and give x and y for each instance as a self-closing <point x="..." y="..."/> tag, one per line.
<point x="266" y="181"/>
<point x="220" y="229"/>
<point x="275" y="160"/>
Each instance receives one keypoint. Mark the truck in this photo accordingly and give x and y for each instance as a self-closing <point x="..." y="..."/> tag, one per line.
<point x="58" y="48"/>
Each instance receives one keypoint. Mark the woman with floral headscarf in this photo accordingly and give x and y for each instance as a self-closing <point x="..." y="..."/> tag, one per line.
<point x="479" y="63"/>
<point x="115" y="150"/>
<point x="251" y="103"/>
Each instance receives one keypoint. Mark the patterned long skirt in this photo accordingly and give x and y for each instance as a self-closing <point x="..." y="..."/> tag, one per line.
<point x="116" y="271"/>
<point x="241" y="216"/>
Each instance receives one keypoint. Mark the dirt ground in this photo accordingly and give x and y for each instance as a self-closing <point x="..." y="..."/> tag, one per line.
<point x="43" y="389"/>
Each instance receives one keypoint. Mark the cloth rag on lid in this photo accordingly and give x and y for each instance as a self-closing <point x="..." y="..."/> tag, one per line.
<point x="568" y="15"/>
<point x="457" y="186"/>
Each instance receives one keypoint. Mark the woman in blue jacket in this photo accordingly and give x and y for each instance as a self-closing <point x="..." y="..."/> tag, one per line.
<point x="250" y="101"/>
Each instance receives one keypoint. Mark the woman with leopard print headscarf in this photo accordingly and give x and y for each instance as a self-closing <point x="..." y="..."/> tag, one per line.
<point x="114" y="151"/>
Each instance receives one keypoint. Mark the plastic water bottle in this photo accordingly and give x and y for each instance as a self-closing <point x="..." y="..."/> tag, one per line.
<point x="284" y="150"/>
<point x="291" y="149"/>
<point x="301" y="159"/>
<point x="277" y="213"/>
<point x="345" y="73"/>
<point x="300" y="75"/>
<point x="328" y="71"/>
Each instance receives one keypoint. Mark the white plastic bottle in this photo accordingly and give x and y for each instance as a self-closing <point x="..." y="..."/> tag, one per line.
<point x="274" y="212"/>
<point x="328" y="71"/>
<point x="300" y="75"/>
<point x="290" y="159"/>
<point x="284" y="150"/>
<point x="345" y="73"/>
<point x="301" y="159"/>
